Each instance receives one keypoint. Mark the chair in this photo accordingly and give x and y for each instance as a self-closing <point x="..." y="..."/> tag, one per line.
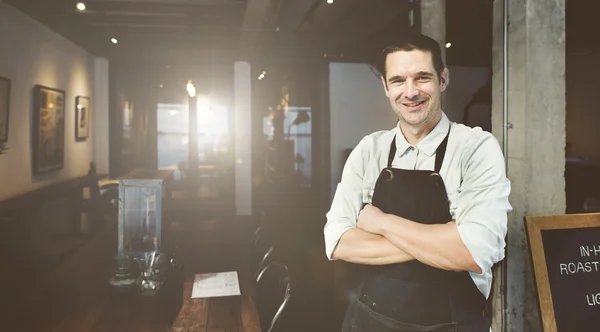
<point x="103" y="201"/>
<point x="262" y="249"/>
<point x="92" y="206"/>
<point x="109" y="195"/>
<point x="264" y="262"/>
<point x="274" y="293"/>
<point x="262" y="233"/>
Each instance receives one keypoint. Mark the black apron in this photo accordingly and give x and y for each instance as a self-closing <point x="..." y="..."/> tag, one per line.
<point x="413" y="296"/>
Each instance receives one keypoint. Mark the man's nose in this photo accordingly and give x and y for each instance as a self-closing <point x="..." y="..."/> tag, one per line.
<point x="410" y="90"/>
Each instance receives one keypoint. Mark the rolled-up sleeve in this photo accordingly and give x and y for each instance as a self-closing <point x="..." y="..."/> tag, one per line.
<point x="483" y="205"/>
<point x="347" y="200"/>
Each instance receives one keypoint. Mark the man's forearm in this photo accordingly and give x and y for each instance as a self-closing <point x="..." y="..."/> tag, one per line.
<point x="361" y="247"/>
<point x="435" y="245"/>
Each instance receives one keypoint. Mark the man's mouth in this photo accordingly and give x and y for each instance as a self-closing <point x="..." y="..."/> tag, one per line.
<point x="414" y="105"/>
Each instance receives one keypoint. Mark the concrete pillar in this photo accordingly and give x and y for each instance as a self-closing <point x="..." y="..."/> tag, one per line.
<point x="100" y="117"/>
<point x="433" y="22"/>
<point x="536" y="143"/>
<point x="243" y="127"/>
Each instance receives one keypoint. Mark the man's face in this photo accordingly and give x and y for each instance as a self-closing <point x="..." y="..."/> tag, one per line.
<point x="413" y="87"/>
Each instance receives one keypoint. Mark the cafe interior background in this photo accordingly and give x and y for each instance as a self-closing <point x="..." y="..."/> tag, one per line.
<point x="276" y="93"/>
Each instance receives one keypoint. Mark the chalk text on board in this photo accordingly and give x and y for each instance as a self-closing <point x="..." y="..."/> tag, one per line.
<point x="587" y="251"/>
<point x="572" y="268"/>
<point x="593" y="299"/>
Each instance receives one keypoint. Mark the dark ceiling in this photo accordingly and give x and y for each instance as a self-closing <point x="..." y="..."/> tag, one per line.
<point x="212" y="31"/>
<point x="145" y="29"/>
<point x="221" y="31"/>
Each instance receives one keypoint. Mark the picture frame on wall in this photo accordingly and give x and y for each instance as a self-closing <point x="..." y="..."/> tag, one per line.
<point x="4" y="108"/>
<point x="48" y="129"/>
<point x="82" y="118"/>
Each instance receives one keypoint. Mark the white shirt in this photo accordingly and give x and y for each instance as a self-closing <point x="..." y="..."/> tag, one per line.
<point x="473" y="172"/>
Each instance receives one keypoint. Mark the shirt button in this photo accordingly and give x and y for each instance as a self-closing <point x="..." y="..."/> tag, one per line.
<point x="412" y="148"/>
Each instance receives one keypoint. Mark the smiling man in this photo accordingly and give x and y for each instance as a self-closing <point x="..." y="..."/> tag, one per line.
<point x="422" y="207"/>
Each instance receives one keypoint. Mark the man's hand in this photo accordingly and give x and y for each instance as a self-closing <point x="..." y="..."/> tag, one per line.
<point x="370" y="219"/>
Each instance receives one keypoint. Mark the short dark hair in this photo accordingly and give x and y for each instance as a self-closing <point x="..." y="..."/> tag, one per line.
<point x="414" y="42"/>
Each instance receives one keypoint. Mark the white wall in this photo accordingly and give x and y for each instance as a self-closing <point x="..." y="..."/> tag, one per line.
<point x="33" y="54"/>
<point x="358" y="106"/>
<point x="100" y="104"/>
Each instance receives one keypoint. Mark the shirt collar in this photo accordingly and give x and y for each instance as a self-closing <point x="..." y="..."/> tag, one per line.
<point x="430" y="143"/>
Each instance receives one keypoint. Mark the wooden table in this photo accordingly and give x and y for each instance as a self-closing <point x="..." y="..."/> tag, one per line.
<point x="77" y="298"/>
<point x="232" y="313"/>
<point x="126" y="313"/>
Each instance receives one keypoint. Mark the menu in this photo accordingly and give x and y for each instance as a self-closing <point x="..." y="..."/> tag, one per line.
<point x="216" y="284"/>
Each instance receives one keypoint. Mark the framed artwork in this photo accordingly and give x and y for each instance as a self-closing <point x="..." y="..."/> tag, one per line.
<point x="48" y="129"/>
<point x="82" y="118"/>
<point x="4" y="108"/>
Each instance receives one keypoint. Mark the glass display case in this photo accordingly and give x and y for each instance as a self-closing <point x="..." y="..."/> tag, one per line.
<point x="143" y="195"/>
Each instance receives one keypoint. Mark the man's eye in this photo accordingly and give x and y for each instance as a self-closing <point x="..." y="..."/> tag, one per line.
<point x="422" y="78"/>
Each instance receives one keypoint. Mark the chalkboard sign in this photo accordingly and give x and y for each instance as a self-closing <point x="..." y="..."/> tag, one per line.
<point x="566" y="258"/>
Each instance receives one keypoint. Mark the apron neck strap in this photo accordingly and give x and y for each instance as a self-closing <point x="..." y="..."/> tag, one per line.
<point x="440" y="152"/>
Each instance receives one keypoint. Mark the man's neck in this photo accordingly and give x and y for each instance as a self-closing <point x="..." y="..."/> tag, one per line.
<point x="415" y="134"/>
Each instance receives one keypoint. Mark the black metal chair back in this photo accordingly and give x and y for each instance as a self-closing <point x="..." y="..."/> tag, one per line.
<point x="273" y="295"/>
<point x="261" y="250"/>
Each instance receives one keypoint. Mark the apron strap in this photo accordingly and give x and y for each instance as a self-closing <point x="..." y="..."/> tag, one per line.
<point x="440" y="152"/>
<point x="392" y="153"/>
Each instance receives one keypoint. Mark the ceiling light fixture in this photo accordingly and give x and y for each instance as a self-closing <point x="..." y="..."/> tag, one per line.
<point x="448" y="45"/>
<point x="330" y="1"/>
<point x="80" y="6"/>
<point x="191" y="89"/>
<point x="114" y="40"/>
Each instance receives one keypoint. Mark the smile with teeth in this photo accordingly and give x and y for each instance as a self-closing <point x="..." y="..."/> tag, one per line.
<point x="414" y="104"/>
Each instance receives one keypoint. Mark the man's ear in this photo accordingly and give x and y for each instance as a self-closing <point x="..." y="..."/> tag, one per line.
<point x="385" y="88"/>
<point x="444" y="79"/>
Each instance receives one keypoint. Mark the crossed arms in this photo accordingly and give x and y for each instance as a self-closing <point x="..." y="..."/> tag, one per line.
<point x="473" y="243"/>
<point x="391" y="239"/>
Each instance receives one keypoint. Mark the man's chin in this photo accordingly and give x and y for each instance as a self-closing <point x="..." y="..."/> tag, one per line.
<point x="415" y="123"/>
<point x="413" y="119"/>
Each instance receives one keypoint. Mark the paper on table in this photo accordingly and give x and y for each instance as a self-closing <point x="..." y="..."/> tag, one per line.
<point x="216" y="284"/>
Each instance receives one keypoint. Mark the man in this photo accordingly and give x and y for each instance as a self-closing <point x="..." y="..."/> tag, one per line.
<point x="422" y="207"/>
